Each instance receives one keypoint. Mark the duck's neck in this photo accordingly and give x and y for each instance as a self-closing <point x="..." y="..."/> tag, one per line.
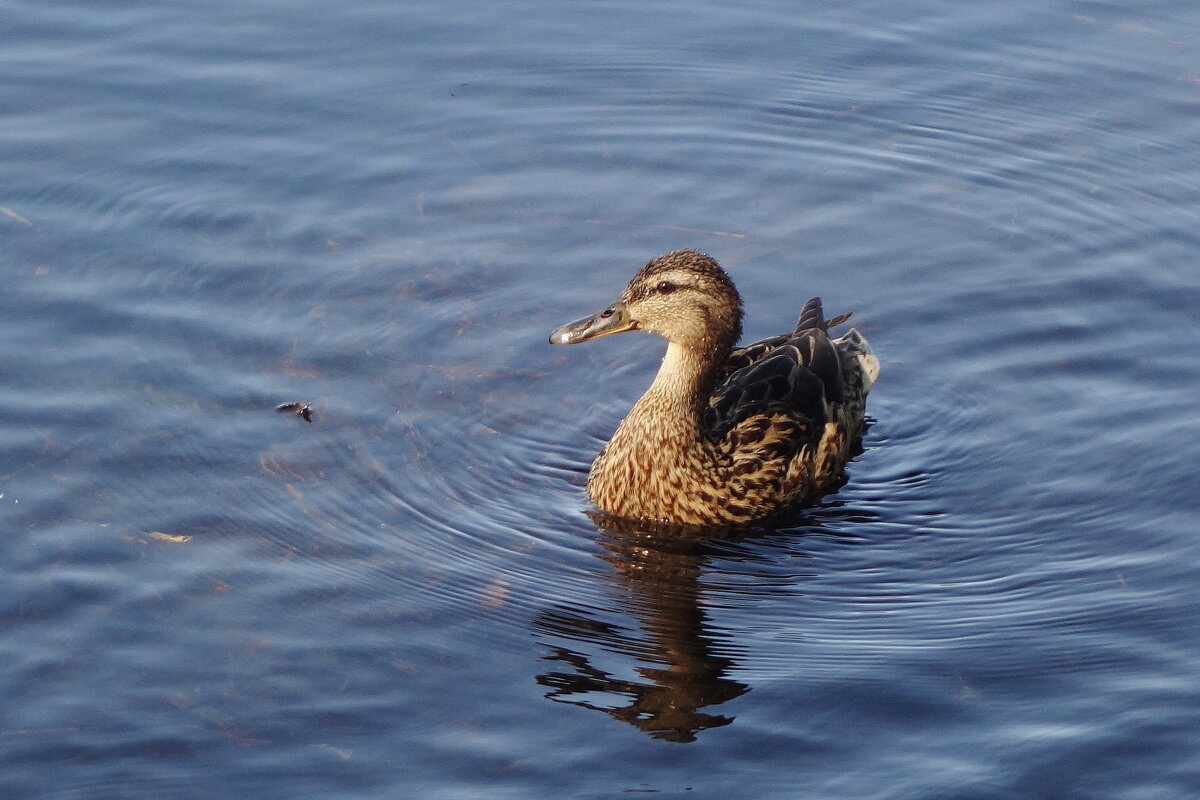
<point x="675" y="402"/>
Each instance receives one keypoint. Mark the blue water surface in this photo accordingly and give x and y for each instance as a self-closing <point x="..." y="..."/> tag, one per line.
<point x="381" y="209"/>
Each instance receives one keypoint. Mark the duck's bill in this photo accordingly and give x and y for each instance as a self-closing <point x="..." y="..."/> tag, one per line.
<point x="613" y="319"/>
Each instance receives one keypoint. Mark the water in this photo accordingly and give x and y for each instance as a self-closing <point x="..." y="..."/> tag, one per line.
<point x="210" y="210"/>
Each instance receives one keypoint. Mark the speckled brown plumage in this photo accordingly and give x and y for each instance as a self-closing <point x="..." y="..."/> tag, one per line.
<point x="725" y="436"/>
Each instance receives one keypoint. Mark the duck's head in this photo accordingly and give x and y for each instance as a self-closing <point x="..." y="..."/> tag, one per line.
<point x="683" y="296"/>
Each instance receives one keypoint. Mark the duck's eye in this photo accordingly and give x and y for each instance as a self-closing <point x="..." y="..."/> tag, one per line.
<point x="665" y="287"/>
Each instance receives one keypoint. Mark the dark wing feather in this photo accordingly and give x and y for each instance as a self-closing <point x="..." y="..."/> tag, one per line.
<point x="795" y="374"/>
<point x="812" y="317"/>
<point x="822" y="359"/>
<point x="838" y="320"/>
<point x="743" y="357"/>
<point x="779" y="383"/>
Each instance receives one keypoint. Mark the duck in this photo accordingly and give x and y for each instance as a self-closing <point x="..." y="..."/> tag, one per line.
<point x="725" y="435"/>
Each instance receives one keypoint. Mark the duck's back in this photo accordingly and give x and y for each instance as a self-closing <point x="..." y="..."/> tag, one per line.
<point x="790" y="406"/>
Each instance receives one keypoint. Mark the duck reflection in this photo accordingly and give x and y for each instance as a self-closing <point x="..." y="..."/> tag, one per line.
<point x="683" y="664"/>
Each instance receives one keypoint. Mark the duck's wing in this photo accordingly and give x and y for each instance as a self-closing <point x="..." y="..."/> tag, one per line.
<point x="743" y="357"/>
<point x="778" y="403"/>
<point x="812" y="318"/>
<point x="781" y="383"/>
<point x="744" y="381"/>
<point x="797" y="377"/>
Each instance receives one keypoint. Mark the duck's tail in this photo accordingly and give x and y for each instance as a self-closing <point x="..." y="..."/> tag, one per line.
<point x="812" y="317"/>
<point x="852" y="343"/>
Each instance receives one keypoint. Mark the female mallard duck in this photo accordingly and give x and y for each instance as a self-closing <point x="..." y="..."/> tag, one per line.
<point x="725" y="436"/>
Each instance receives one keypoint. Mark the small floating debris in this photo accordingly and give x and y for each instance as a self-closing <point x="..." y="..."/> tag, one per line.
<point x="8" y="212"/>
<point x="299" y="409"/>
<point x="173" y="538"/>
